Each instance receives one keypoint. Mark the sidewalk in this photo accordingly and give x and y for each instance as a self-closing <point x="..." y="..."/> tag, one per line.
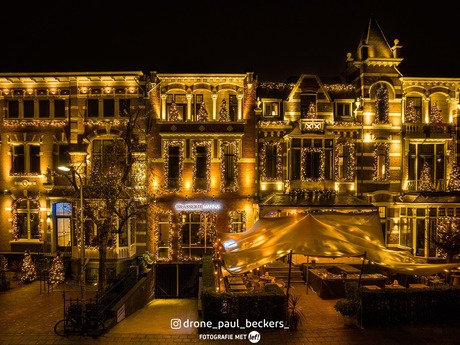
<point x="28" y="317"/>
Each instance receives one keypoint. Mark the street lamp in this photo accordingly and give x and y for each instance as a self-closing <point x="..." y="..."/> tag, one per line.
<point x="66" y="169"/>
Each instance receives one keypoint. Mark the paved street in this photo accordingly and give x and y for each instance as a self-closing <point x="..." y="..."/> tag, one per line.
<point x="28" y="315"/>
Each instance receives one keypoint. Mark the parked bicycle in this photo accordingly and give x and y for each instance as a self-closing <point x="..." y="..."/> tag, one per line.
<point x="80" y="319"/>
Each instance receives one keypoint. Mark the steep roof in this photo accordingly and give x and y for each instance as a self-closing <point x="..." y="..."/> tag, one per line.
<point x="376" y="42"/>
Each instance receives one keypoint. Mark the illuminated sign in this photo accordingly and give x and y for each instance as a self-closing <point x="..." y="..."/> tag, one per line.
<point x="195" y="206"/>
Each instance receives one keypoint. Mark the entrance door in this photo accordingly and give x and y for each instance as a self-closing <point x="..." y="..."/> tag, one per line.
<point x="176" y="281"/>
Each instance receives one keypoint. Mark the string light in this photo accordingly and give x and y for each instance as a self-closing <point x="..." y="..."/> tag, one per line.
<point x="33" y="204"/>
<point x="34" y="123"/>
<point x="157" y="234"/>
<point x="207" y="145"/>
<point x="381" y="106"/>
<point x="351" y="161"/>
<point x="276" y="145"/>
<point x="167" y="145"/>
<point x="231" y="146"/>
<point x="305" y="159"/>
<point x="339" y="87"/>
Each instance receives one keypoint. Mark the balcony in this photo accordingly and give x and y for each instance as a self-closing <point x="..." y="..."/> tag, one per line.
<point x="312" y="125"/>
<point x="424" y="130"/>
<point x="202" y="127"/>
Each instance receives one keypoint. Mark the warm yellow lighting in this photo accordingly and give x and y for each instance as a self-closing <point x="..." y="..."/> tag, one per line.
<point x="108" y="89"/>
<point x="367" y="137"/>
<point x="7" y="208"/>
<point x="131" y="89"/>
<point x="30" y="91"/>
<point x="187" y="185"/>
<point x="6" y="91"/>
<point x="263" y="186"/>
<point x="279" y="185"/>
<point x="405" y="185"/>
<point x="53" y="91"/>
<point x="84" y="90"/>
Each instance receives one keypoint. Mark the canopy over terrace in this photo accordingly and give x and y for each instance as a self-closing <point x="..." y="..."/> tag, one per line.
<point x="321" y="233"/>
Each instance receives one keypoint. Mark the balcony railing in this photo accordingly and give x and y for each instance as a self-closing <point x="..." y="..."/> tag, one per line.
<point x="438" y="186"/>
<point x="312" y="125"/>
<point x="427" y="130"/>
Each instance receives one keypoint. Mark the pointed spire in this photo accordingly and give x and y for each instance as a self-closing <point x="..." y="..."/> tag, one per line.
<point x="373" y="42"/>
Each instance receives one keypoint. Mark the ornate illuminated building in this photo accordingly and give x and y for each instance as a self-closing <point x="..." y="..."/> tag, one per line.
<point x="217" y="151"/>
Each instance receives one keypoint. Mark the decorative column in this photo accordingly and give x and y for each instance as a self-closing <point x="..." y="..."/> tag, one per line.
<point x="189" y="106"/>
<point x="163" y="106"/>
<point x="239" y="96"/>
<point x="214" y="106"/>
<point x="403" y="109"/>
<point x="426" y="110"/>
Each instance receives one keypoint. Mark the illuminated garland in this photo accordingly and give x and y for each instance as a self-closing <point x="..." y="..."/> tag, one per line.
<point x="114" y="122"/>
<point x="264" y="124"/>
<point x="93" y="207"/>
<point x="24" y="174"/>
<point x="274" y="86"/>
<point x="231" y="215"/>
<point x="448" y="235"/>
<point x="305" y="152"/>
<point x="339" y="87"/>
<point x="35" y="204"/>
<point x="381" y="96"/>
<point x="386" y="148"/>
<point x="279" y="162"/>
<point x="351" y="162"/>
<point x="343" y="123"/>
<point x="309" y="193"/>
<point x="234" y="184"/>
<point x="207" y="229"/>
<point x="167" y="145"/>
<point x="34" y="123"/>
<point x="156" y="234"/>
<point x="207" y="145"/>
<point x="454" y="180"/>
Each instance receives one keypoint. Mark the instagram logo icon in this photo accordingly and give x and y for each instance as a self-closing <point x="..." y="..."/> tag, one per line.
<point x="175" y="323"/>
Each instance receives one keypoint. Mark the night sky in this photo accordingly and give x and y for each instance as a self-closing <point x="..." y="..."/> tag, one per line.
<point x="275" y="39"/>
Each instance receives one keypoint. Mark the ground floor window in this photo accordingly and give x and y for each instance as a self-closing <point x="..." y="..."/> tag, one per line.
<point x="62" y="213"/>
<point x="197" y="232"/>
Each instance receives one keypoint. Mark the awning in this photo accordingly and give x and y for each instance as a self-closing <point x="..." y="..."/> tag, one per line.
<point x="321" y="234"/>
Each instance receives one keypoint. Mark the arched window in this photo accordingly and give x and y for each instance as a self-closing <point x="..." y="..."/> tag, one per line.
<point x="62" y="212"/>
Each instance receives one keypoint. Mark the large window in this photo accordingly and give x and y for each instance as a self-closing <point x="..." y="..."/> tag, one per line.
<point x="29" y="108"/>
<point x="311" y="159"/>
<point x="433" y="155"/>
<point x="13" y="109"/>
<point x="237" y="221"/>
<point x="342" y="110"/>
<point x="197" y="234"/>
<point x="107" y="154"/>
<point x="59" y="108"/>
<point x="229" y="157"/>
<point x="307" y="102"/>
<point x="25" y="159"/>
<point x="382" y="105"/>
<point x="345" y="163"/>
<point x="163" y="237"/>
<point x="381" y="162"/>
<point x="201" y="155"/>
<point x="173" y="158"/>
<point x="26" y="219"/>
<point x="270" y="161"/>
<point x="93" y="108"/>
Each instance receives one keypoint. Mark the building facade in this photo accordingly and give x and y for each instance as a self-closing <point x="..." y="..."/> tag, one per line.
<point x="212" y="152"/>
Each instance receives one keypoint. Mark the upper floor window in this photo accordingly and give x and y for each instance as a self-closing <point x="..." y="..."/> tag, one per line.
<point x="109" y="107"/>
<point x="173" y="159"/>
<point x="307" y="106"/>
<point x="201" y="155"/>
<point x="232" y="107"/>
<point x="124" y="106"/>
<point x="342" y="110"/>
<point x="271" y="161"/>
<point x="381" y="105"/>
<point x="345" y="161"/>
<point x="311" y="159"/>
<point x="107" y="154"/>
<point x="25" y="159"/>
<point x="431" y="156"/>
<point x="271" y="108"/>
<point x="29" y="108"/>
<point x="229" y="157"/>
<point x="93" y="108"/>
<point x="413" y="111"/>
<point x="381" y="162"/>
<point x="13" y="109"/>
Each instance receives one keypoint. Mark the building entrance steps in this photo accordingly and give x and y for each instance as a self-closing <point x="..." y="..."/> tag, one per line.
<point x="280" y="270"/>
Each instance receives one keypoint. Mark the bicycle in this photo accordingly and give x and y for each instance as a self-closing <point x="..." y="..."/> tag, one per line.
<point x="78" y="323"/>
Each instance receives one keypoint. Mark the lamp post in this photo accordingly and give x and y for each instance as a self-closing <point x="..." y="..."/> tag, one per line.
<point x="72" y="169"/>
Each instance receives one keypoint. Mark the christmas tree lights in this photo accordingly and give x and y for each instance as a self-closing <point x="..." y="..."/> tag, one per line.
<point x="454" y="181"/>
<point x="28" y="272"/>
<point x="202" y="113"/>
<point x="173" y="113"/>
<point x="57" y="273"/>
<point x="223" y="112"/>
<point x="410" y="115"/>
<point x="435" y="114"/>
<point x="426" y="181"/>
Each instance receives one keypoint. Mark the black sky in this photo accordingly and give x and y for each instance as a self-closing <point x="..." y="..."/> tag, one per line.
<point x="275" y="39"/>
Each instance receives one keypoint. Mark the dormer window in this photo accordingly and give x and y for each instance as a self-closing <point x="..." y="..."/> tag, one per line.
<point x="342" y="110"/>
<point x="271" y="108"/>
<point x="308" y="106"/>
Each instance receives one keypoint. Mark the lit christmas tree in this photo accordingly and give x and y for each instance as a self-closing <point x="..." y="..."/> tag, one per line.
<point x="224" y="112"/>
<point x="435" y="113"/>
<point x="28" y="273"/>
<point x="410" y="114"/>
<point x="311" y="113"/>
<point x="202" y="113"/>
<point x="173" y="113"/>
<point x="426" y="182"/>
<point x="57" y="274"/>
<point x="454" y="181"/>
<point x="382" y="105"/>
